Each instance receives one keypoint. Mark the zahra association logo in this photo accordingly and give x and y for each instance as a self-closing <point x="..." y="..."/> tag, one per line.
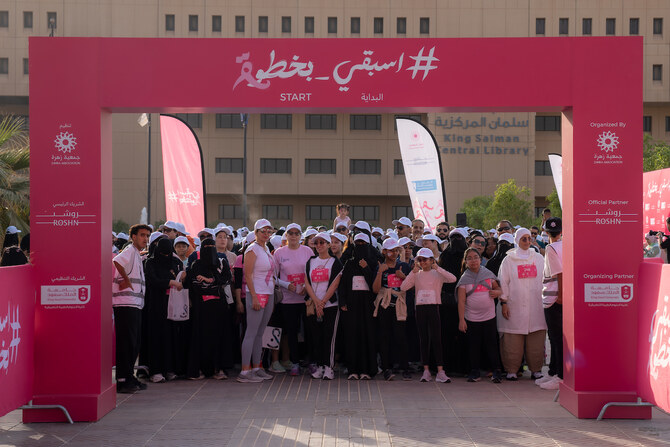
<point x="608" y="141"/>
<point x="65" y="142"/>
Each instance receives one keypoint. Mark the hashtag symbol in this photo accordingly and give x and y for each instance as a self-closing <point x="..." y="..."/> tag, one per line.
<point x="423" y="63"/>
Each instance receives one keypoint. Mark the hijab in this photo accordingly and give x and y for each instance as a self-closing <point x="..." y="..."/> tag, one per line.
<point x="162" y="254"/>
<point x="13" y="256"/>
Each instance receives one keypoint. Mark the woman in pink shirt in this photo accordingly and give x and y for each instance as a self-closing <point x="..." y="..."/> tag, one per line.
<point x="427" y="279"/>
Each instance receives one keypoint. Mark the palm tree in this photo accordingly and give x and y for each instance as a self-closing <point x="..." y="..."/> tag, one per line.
<point x="14" y="178"/>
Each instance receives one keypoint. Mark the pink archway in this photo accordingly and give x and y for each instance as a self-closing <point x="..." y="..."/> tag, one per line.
<point x="77" y="83"/>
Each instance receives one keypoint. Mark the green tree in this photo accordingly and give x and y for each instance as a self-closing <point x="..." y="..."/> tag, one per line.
<point x="14" y="174"/>
<point x="554" y="204"/>
<point x="656" y="155"/>
<point x="475" y="210"/>
<point x="510" y="202"/>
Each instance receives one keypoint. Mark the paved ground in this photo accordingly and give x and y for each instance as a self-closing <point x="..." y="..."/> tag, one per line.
<point x="300" y="411"/>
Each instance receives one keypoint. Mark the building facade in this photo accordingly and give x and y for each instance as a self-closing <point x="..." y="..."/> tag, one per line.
<point x="300" y="165"/>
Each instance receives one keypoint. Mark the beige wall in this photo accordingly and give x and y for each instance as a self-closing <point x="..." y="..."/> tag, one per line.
<point x="465" y="175"/>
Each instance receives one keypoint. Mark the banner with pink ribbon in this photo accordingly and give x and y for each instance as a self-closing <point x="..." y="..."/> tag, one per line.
<point x="656" y="199"/>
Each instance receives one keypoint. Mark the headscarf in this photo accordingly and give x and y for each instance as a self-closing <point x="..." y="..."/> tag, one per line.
<point x="13" y="256"/>
<point x="11" y="240"/>
<point x="209" y="259"/>
<point x="163" y="253"/>
<point x="521" y="232"/>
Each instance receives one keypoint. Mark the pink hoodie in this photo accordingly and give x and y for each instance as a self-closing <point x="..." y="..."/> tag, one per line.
<point x="428" y="285"/>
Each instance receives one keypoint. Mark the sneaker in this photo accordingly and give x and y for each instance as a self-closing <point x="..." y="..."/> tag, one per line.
<point x="365" y="377"/>
<point x="497" y="377"/>
<point x="140" y="385"/>
<point x="248" y="377"/>
<point x="157" y="378"/>
<point x="312" y="368"/>
<point x="261" y="374"/>
<point x="551" y="384"/>
<point x="295" y="369"/>
<point x="352" y="377"/>
<point x="474" y="378"/>
<point x="328" y="373"/>
<point x="286" y="364"/>
<point x="170" y="376"/>
<point x="126" y="387"/>
<point x="277" y="368"/>
<point x="511" y="377"/>
<point x="406" y="375"/>
<point x="442" y="377"/>
<point x="388" y="374"/>
<point x="220" y="375"/>
<point x="200" y="377"/>
<point x="426" y="377"/>
<point x="318" y="373"/>
<point x="544" y="379"/>
<point x="536" y="376"/>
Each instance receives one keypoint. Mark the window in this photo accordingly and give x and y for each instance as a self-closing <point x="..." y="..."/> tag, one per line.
<point x="4" y="19"/>
<point x="367" y="213"/>
<point x="322" y="122"/>
<point x="26" y="66"/>
<point x="320" y="166"/>
<point x="547" y="123"/>
<point x="401" y="211"/>
<point x="286" y="24"/>
<point x="309" y="25"/>
<point x="365" y="122"/>
<point x="230" y="212"/>
<point x="229" y="165"/>
<point x="320" y="212"/>
<point x="401" y="25"/>
<point x="378" y="25"/>
<point x="263" y="24"/>
<point x="610" y="27"/>
<point x="646" y="124"/>
<point x="667" y="123"/>
<point x="658" y="26"/>
<point x="216" y="24"/>
<point x="587" y="25"/>
<point x="275" y="165"/>
<point x="4" y="65"/>
<point x="332" y="25"/>
<point x="192" y="22"/>
<point x="281" y="212"/>
<point x="416" y="118"/>
<point x="169" y="22"/>
<point x="424" y="25"/>
<point x="398" y="168"/>
<point x="563" y="25"/>
<point x="228" y="121"/>
<point x="276" y="121"/>
<point x="657" y="72"/>
<point x="52" y="20"/>
<point x="28" y="19"/>
<point x="365" y="166"/>
<point x="634" y="28"/>
<point x="542" y="167"/>
<point x="355" y="25"/>
<point x="539" y="27"/>
<point x="192" y="119"/>
<point x="239" y="24"/>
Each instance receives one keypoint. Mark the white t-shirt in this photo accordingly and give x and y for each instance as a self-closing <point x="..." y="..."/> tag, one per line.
<point x="319" y="274"/>
<point x="553" y="265"/>
<point x="131" y="261"/>
<point x="346" y="221"/>
<point x="264" y="270"/>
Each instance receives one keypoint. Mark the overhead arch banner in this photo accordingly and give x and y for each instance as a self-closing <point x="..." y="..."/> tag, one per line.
<point x="183" y="174"/>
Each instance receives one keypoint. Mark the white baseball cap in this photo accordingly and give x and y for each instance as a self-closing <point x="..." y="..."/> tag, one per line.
<point x="428" y="237"/>
<point x="309" y="232"/>
<point x="425" y="253"/>
<point x="276" y="241"/>
<point x="377" y="230"/>
<point x="342" y="238"/>
<point x="323" y="235"/>
<point x="362" y="237"/>
<point x="155" y="235"/>
<point x="209" y="231"/>
<point x="390" y="244"/>
<point x="361" y="225"/>
<point x="123" y="236"/>
<point x="221" y="228"/>
<point x="403" y="221"/>
<point x="170" y="224"/>
<point x="293" y="226"/>
<point x="462" y="231"/>
<point x="507" y="238"/>
<point x="404" y="241"/>
<point x="262" y="223"/>
<point x="181" y="239"/>
<point x="340" y="224"/>
<point x="426" y="230"/>
<point x="181" y="228"/>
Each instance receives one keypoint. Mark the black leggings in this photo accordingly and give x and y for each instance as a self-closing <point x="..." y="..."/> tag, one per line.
<point x="323" y="335"/>
<point x="430" y="337"/>
<point x="392" y="333"/>
<point x="292" y="315"/>
<point x="483" y="334"/>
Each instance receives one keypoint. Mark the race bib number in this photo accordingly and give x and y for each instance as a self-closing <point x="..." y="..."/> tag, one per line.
<point x="481" y="288"/>
<point x="297" y="278"/>
<point x="263" y="300"/>
<point x="426" y="297"/>
<point x="359" y="283"/>
<point x="393" y="281"/>
<point x="527" y="271"/>
<point x="319" y="275"/>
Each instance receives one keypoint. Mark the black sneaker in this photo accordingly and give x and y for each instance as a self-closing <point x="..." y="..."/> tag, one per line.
<point x="388" y="374"/>
<point x="474" y="378"/>
<point x="406" y="375"/>
<point x="497" y="377"/>
<point x="126" y="387"/>
<point x="140" y="385"/>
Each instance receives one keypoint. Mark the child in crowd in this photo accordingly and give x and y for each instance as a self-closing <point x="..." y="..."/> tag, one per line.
<point x="342" y="215"/>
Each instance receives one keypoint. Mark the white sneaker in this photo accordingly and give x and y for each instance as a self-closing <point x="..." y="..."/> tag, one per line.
<point x="261" y="374"/>
<point x="220" y="375"/>
<point x="551" y="384"/>
<point x="277" y="368"/>
<point x="442" y="377"/>
<point x="157" y="378"/>
<point x="318" y="373"/>
<point x="248" y="377"/>
<point x="170" y="376"/>
<point x="328" y="373"/>
<point x="544" y="379"/>
<point x="426" y="377"/>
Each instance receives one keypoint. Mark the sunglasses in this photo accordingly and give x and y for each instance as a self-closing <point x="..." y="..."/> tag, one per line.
<point x="293" y="233"/>
<point x="168" y="230"/>
<point x="533" y="234"/>
<point x="478" y="242"/>
<point x="443" y="230"/>
<point x="503" y="229"/>
<point x="265" y="231"/>
<point x="341" y="230"/>
<point x="320" y="242"/>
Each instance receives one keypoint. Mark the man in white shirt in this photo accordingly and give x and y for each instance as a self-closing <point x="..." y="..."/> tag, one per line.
<point x="128" y="289"/>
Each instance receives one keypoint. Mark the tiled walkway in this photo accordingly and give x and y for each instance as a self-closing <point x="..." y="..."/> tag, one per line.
<point x="300" y="411"/>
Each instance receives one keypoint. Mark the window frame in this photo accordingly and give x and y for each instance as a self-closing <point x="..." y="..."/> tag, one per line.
<point x="367" y="166"/>
<point x="271" y="165"/>
<point x="330" y="163"/>
<point x="229" y="165"/>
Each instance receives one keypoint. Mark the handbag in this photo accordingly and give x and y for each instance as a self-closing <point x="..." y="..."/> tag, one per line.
<point x="178" y="308"/>
<point x="279" y="295"/>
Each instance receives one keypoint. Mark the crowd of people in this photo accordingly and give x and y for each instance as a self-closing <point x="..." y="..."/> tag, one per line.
<point x="354" y="300"/>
